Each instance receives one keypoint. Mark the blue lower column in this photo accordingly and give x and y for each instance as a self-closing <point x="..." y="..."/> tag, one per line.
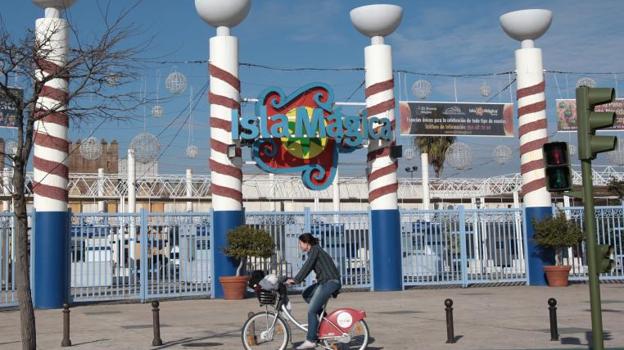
<point x="223" y="222"/>
<point x="386" y="250"/>
<point x="538" y="256"/>
<point x="51" y="260"/>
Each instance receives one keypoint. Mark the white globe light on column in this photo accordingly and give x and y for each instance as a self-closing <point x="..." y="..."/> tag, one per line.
<point x="220" y="13"/>
<point x="376" y="21"/>
<point x="57" y="4"/>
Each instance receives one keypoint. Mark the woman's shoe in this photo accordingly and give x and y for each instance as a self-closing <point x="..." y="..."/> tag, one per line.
<point x="306" y="345"/>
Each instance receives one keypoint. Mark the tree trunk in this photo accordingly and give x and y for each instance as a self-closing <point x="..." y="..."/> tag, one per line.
<point x="24" y="296"/>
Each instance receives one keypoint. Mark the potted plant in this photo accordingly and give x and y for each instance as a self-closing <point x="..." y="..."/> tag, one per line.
<point x="244" y="242"/>
<point x="557" y="233"/>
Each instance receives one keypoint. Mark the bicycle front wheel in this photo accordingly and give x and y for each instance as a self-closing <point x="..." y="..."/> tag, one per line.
<point x="359" y="338"/>
<point x="265" y="331"/>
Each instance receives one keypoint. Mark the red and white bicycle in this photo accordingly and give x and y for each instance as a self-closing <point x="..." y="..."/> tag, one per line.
<point x="342" y="328"/>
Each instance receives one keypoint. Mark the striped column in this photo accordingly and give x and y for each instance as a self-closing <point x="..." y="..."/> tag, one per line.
<point x="381" y="171"/>
<point x="226" y="175"/>
<point x="51" y="147"/>
<point x="533" y="134"/>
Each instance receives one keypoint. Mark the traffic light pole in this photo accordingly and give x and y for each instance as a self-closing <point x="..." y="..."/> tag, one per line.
<point x="590" y="232"/>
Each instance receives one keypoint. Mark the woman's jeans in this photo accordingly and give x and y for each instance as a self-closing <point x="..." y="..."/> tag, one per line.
<point x="321" y="292"/>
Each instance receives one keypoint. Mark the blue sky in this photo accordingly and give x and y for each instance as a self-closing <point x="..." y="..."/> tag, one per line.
<point x="452" y="37"/>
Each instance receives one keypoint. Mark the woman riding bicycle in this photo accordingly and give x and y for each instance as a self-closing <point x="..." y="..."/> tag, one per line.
<point x="327" y="283"/>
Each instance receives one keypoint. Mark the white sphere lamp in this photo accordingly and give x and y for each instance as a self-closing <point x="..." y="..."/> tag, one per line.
<point x="376" y="21"/>
<point x="223" y="14"/>
<point x="526" y="25"/>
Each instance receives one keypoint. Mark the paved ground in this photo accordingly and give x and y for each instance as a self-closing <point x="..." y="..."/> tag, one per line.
<point x="485" y="318"/>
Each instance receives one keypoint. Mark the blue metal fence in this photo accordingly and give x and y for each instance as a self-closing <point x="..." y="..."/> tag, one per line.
<point x="140" y="256"/>
<point x="610" y="230"/>
<point x="8" y="296"/>
<point x="159" y="255"/>
<point x="462" y="247"/>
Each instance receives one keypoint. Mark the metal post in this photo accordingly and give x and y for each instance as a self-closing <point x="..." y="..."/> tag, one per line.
<point x="66" y="341"/>
<point x="552" y="311"/>
<point x="189" y="190"/>
<point x="100" y="190"/>
<point x="156" y="323"/>
<point x="450" y="330"/>
<point x="424" y="165"/>
<point x="131" y="168"/>
<point x="594" y="281"/>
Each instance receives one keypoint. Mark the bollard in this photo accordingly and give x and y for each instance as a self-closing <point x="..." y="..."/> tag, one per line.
<point x="66" y="342"/>
<point x="552" y="310"/>
<point x="251" y="336"/>
<point x="156" y="321"/>
<point x="450" y="331"/>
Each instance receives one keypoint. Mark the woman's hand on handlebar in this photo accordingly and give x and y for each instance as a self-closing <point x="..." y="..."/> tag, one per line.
<point x="290" y="282"/>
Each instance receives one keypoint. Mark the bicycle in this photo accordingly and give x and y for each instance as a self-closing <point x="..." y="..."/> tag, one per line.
<point x="343" y="328"/>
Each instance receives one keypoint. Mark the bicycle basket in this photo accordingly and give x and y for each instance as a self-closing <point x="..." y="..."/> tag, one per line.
<point x="266" y="297"/>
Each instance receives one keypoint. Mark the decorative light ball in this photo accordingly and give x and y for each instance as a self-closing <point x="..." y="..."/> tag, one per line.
<point x="409" y="153"/>
<point x="459" y="156"/>
<point x="617" y="155"/>
<point x="502" y="154"/>
<point x="11" y="148"/>
<point x="485" y="90"/>
<point x="572" y="150"/>
<point x="192" y="151"/>
<point x="146" y="147"/>
<point x="586" y="81"/>
<point x="158" y="111"/>
<point x="421" y="89"/>
<point x="91" y="148"/>
<point x="176" y="82"/>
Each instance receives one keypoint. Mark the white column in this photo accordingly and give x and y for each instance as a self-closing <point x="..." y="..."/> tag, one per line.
<point x="189" y="190"/>
<point x="336" y="195"/>
<point x="132" y="201"/>
<point x="100" y="190"/>
<point x="272" y="191"/>
<point x="6" y="190"/>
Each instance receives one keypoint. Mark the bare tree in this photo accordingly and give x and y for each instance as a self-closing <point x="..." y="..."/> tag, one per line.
<point x="99" y="71"/>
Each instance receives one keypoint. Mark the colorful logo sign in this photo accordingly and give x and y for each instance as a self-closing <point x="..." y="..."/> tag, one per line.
<point x="302" y="132"/>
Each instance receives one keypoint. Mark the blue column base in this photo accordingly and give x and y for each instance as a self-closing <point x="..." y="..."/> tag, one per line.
<point x="223" y="222"/>
<point x="538" y="257"/>
<point x="386" y="250"/>
<point x="51" y="260"/>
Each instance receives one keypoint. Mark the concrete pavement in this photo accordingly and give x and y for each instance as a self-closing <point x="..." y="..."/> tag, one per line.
<point x="485" y="318"/>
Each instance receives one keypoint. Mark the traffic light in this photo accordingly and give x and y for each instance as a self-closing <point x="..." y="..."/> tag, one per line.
<point x="605" y="258"/>
<point x="589" y="121"/>
<point x="557" y="162"/>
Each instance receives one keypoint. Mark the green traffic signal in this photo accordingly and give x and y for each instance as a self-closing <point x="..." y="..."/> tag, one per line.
<point x="605" y="258"/>
<point x="589" y="121"/>
<point x="557" y="167"/>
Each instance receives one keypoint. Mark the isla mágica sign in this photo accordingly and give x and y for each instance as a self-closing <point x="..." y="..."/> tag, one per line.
<point x="303" y="132"/>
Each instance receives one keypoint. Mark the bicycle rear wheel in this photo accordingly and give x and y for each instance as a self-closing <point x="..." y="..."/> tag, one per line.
<point x="359" y="338"/>
<point x="258" y="335"/>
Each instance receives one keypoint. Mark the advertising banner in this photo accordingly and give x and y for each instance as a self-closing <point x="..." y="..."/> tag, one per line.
<point x="456" y="119"/>
<point x="566" y="114"/>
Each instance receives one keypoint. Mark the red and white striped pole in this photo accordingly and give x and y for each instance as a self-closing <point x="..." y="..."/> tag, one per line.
<point x="526" y="26"/>
<point x="377" y="21"/>
<point x="226" y="175"/>
<point x="51" y="149"/>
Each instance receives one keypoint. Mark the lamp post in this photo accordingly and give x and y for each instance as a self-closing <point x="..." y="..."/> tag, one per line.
<point x="225" y="164"/>
<point x="526" y="26"/>
<point x="376" y="22"/>
<point x="51" y="278"/>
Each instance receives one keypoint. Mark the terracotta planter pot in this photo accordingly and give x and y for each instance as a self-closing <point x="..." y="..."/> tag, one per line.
<point x="557" y="276"/>
<point x="234" y="287"/>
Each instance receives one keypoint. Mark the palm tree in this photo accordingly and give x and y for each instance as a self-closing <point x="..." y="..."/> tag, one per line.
<point x="436" y="148"/>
